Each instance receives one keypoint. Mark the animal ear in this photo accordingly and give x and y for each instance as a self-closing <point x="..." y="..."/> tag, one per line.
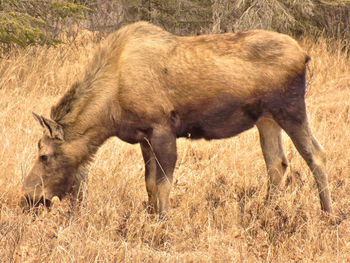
<point x="39" y="119"/>
<point x="55" y="130"/>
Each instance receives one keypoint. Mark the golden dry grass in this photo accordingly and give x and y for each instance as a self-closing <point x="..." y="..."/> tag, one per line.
<point x="217" y="203"/>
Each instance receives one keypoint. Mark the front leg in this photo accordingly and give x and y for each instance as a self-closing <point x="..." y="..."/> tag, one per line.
<point x="150" y="176"/>
<point x="159" y="153"/>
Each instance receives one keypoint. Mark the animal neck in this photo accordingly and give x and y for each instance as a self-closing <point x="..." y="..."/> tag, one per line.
<point x="82" y="147"/>
<point x="86" y="129"/>
<point x="86" y="114"/>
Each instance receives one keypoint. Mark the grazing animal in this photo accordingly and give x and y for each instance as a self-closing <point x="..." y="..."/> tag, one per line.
<point x="148" y="86"/>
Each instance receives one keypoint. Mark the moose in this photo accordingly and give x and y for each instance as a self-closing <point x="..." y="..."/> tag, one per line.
<point x="148" y="86"/>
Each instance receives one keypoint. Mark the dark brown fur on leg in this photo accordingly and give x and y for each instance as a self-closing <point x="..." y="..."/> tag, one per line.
<point x="162" y="144"/>
<point x="289" y="111"/>
<point x="150" y="177"/>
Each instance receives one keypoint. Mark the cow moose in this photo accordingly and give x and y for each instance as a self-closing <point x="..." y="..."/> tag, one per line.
<point x="148" y="86"/>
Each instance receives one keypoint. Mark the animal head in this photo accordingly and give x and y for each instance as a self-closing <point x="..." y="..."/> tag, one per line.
<point x="54" y="171"/>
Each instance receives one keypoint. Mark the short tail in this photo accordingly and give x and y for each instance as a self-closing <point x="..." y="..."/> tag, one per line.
<point x="307" y="59"/>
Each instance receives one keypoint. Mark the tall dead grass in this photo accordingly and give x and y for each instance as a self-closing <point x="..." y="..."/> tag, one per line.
<point x="217" y="203"/>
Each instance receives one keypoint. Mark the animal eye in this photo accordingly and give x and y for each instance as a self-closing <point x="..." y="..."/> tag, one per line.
<point x="43" y="158"/>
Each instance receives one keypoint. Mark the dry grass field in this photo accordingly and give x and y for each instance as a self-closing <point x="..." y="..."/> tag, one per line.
<point x="217" y="203"/>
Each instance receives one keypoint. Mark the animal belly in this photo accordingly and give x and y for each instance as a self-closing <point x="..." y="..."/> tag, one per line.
<point x="223" y="121"/>
<point x="216" y="127"/>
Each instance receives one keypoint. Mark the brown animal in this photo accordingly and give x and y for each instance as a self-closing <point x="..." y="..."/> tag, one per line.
<point x="150" y="87"/>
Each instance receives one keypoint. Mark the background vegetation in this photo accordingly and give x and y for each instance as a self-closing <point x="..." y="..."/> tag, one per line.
<point x="217" y="203"/>
<point x="31" y="22"/>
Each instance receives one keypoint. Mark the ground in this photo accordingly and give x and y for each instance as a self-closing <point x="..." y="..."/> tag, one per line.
<point x="217" y="209"/>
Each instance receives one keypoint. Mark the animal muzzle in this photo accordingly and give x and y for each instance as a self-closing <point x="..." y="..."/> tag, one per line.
<point x="29" y="202"/>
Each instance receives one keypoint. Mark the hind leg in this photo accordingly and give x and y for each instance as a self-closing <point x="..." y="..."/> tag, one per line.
<point x="315" y="157"/>
<point x="293" y="119"/>
<point x="289" y="111"/>
<point x="271" y="145"/>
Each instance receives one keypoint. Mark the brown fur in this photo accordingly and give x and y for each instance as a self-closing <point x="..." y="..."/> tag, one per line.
<point x="148" y="86"/>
